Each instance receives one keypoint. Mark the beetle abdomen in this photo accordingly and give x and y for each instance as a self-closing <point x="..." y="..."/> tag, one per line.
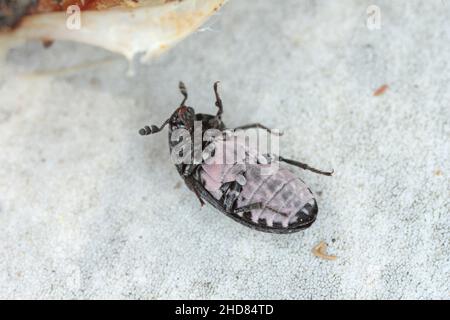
<point x="287" y="199"/>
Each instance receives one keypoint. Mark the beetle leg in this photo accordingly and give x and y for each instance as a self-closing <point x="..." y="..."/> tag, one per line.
<point x="202" y="203"/>
<point x="304" y="166"/>
<point x="204" y="194"/>
<point x="183" y="91"/>
<point x="189" y="169"/>
<point x="218" y="101"/>
<point x="257" y="206"/>
<point x="191" y="186"/>
<point x="258" y="126"/>
<point x="231" y="195"/>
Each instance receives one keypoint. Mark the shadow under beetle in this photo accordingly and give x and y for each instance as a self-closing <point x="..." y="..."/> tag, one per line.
<point x="279" y="202"/>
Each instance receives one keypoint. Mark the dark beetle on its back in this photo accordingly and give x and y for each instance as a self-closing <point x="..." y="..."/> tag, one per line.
<point x="278" y="202"/>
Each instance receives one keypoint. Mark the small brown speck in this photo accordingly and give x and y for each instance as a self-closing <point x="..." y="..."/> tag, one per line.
<point x="438" y="172"/>
<point x="178" y="185"/>
<point x="95" y="82"/>
<point x="320" y="251"/>
<point x="381" y="90"/>
<point x="47" y="43"/>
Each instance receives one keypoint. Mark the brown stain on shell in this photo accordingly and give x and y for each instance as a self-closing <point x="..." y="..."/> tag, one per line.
<point x="53" y="6"/>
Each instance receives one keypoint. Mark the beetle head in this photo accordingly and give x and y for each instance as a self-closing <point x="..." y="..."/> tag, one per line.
<point x="183" y="117"/>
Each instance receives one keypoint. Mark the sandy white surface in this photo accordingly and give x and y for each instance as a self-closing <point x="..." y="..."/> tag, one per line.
<point x="89" y="209"/>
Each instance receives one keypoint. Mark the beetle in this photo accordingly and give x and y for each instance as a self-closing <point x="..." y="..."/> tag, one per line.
<point x="278" y="202"/>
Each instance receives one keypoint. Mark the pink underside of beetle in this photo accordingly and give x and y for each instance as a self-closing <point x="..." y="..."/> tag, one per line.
<point x="278" y="189"/>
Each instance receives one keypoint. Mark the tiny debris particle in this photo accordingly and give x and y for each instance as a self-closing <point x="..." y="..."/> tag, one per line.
<point x="320" y="251"/>
<point x="438" y="172"/>
<point x="178" y="185"/>
<point x="47" y="43"/>
<point x="381" y="90"/>
<point x="95" y="82"/>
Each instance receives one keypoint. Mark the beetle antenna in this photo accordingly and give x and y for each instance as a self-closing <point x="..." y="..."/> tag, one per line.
<point x="218" y="100"/>
<point x="148" y="130"/>
<point x="183" y="92"/>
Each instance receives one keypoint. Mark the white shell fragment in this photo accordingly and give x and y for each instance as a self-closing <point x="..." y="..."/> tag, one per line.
<point x="145" y="26"/>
